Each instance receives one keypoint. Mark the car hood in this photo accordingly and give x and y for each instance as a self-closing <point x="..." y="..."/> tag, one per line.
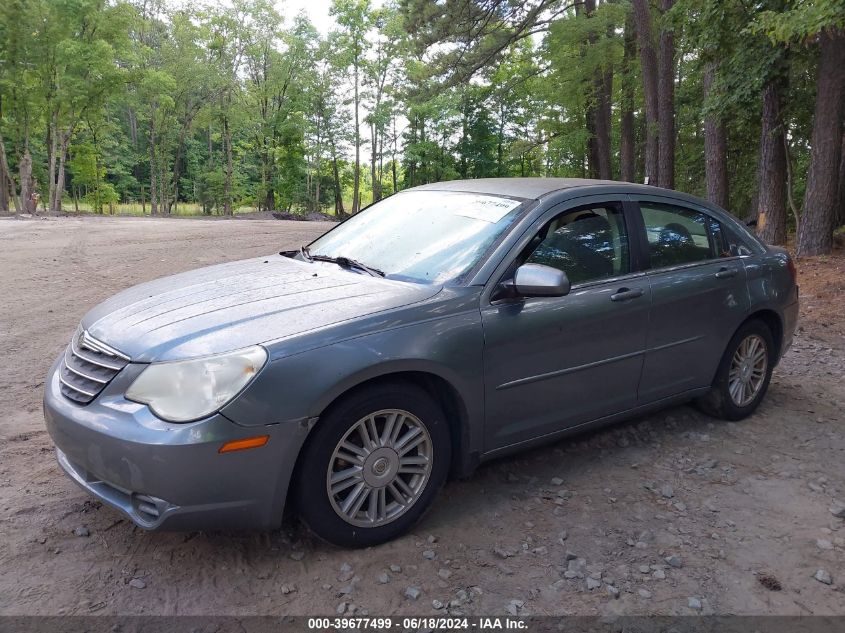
<point x="231" y="306"/>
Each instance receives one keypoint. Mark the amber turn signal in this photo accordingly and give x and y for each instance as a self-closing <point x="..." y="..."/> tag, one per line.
<point x="242" y="445"/>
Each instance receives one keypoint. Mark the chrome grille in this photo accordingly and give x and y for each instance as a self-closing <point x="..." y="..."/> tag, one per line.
<point x="88" y="366"/>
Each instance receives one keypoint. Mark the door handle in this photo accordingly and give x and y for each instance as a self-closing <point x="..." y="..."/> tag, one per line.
<point x="624" y="294"/>
<point x="726" y="273"/>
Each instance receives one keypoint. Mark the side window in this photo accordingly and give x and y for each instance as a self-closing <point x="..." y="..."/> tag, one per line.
<point x="676" y="235"/>
<point x="721" y="240"/>
<point x="734" y="244"/>
<point x="586" y="243"/>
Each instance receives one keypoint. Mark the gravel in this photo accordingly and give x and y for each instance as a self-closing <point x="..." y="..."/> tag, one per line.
<point x="674" y="561"/>
<point x="823" y="577"/>
<point x="412" y="593"/>
<point x="729" y="484"/>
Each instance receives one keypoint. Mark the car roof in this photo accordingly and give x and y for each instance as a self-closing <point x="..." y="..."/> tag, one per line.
<point x="532" y="188"/>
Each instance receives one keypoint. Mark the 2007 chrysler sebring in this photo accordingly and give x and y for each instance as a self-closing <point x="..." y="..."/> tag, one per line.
<point x="441" y="327"/>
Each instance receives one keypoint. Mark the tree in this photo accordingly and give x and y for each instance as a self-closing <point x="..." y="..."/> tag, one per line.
<point x="815" y="235"/>
<point x="627" y="138"/>
<point x="353" y="16"/>
<point x="666" y="99"/>
<point x="820" y="23"/>
<point x="648" y="59"/>
<point x="329" y="117"/>
<point x="715" y="144"/>
<point x="226" y="106"/>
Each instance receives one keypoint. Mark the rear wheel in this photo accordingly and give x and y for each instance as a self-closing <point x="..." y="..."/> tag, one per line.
<point x="373" y="465"/>
<point x="744" y="372"/>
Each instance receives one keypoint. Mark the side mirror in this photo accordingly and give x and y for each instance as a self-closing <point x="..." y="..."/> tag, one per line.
<point x="537" y="280"/>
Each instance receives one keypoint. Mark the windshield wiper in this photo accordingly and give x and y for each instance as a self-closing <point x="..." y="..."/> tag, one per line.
<point x="343" y="262"/>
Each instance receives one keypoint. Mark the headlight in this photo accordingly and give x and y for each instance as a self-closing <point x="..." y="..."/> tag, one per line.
<point x="181" y="391"/>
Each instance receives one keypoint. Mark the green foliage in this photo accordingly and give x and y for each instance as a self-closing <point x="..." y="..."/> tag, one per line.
<point x="801" y="21"/>
<point x="149" y="93"/>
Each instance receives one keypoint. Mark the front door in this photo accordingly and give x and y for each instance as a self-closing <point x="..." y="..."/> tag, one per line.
<point x="555" y="362"/>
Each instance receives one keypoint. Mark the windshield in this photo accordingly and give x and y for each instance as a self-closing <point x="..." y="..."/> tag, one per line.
<point x="422" y="236"/>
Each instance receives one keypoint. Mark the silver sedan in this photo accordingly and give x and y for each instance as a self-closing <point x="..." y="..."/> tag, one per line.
<point x="441" y="327"/>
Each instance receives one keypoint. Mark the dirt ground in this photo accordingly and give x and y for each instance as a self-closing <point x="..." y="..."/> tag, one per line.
<point x="674" y="513"/>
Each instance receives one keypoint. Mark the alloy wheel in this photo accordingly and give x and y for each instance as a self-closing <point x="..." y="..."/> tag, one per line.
<point x="748" y="370"/>
<point x="379" y="468"/>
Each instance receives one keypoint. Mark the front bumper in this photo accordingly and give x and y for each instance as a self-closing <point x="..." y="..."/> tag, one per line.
<point x="171" y="476"/>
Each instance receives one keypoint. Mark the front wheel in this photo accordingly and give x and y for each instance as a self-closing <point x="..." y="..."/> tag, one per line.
<point x="742" y="378"/>
<point x="373" y="465"/>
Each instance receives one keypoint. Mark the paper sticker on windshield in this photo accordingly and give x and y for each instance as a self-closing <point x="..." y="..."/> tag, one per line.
<point x="487" y="208"/>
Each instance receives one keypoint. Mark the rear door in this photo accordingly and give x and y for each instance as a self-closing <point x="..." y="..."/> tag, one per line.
<point x="556" y="362"/>
<point x="698" y="296"/>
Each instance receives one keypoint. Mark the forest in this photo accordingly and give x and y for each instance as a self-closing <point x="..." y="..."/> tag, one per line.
<point x="214" y="108"/>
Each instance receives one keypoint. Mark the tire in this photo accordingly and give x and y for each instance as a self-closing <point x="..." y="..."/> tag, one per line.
<point x="376" y="470"/>
<point x="719" y="401"/>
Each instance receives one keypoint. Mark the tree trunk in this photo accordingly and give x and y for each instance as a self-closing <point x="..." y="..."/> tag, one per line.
<point x="771" y="173"/>
<point x="4" y="188"/>
<point x="25" y="169"/>
<point x="380" y="170"/>
<point x="815" y="235"/>
<point x="6" y="175"/>
<point x="52" y="136"/>
<point x="270" y="193"/>
<point x="715" y="146"/>
<point x="338" y="191"/>
<point x="229" y="170"/>
<point x="153" y="178"/>
<point x="173" y="194"/>
<point x="604" y="89"/>
<point x="373" y="159"/>
<point x="597" y="111"/>
<point x="136" y="168"/>
<point x="356" y="201"/>
<point x="317" y="206"/>
<point x="627" y="164"/>
<point x="604" y="113"/>
<point x="666" y="102"/>
<point x="162" y="186"/>
<point x="648" y="59"/>
<point x="60" y="174"/>
<point x="393" y="157"/>
<point x="840" y="206"/>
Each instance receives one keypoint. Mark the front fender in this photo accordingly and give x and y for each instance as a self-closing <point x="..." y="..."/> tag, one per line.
<point x="301" y="386"/>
